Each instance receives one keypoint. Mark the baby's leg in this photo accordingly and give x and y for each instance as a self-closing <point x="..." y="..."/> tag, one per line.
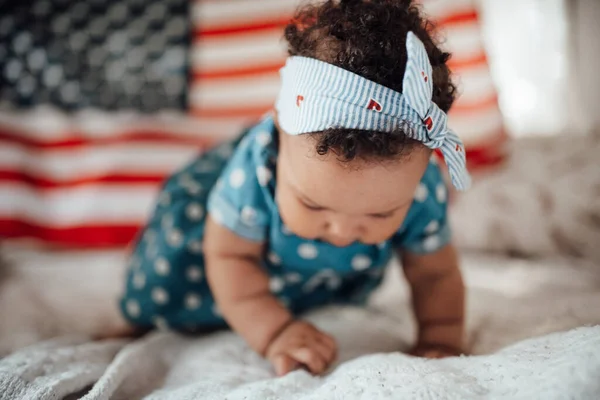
<point x="166" y="284"/>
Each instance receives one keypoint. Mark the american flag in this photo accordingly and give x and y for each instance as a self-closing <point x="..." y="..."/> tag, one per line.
<point x="100" y="101"/>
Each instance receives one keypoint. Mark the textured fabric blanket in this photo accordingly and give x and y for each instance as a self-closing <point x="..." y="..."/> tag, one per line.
<point x="533" y="327"/>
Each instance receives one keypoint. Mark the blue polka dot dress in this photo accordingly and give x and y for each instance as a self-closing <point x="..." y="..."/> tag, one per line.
<point x="235" y="182"/>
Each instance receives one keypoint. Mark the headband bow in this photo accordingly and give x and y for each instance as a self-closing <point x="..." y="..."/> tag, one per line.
<point x="316" y="96"/>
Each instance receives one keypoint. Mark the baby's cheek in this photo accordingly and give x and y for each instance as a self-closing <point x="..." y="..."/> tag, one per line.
<point x="382" y="230"/>
<point x="299" y="220"/>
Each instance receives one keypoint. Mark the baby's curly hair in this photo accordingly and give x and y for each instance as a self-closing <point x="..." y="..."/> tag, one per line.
<point x="368" y="38"/>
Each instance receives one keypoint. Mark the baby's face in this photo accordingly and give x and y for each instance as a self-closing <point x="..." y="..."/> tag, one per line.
<point x="340" y="203"/>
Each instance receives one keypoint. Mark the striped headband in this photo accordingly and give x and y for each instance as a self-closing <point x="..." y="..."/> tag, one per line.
<point x="316" y="96"/>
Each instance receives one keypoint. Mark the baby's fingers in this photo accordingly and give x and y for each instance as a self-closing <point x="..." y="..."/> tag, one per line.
<point x="327" y="351"/>
<point x="310" y="358"/>
<point x="284" y="364"/>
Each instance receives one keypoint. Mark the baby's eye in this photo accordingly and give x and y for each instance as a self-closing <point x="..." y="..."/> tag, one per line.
<point x="382" y="215"/>
<point x="313" y="207"/>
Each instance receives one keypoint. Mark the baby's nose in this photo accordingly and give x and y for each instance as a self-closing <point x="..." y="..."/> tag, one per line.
<point x="343" y="229"/>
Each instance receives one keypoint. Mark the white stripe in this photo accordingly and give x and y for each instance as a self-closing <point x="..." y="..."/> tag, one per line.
<point x="64" y="164"/>
<point x="249" y="50"/>
<point x="48" y="125"/>
<point x="474" y="84"/>
<point x="236" y="92"/>
<point x="463" y="41"/>
<point x="212" y="14"/>
<point x="101" y="204"/>
<point x="476" y="128"/>
<point x="437" y="9"/>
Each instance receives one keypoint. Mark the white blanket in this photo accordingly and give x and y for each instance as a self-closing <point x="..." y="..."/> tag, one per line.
<point x="509" y="301"/>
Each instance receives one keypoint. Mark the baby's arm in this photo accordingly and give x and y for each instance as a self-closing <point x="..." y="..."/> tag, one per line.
<point x="438" y="300"/>
<point x="241" y="289"/>
<point x="240" y="286"/>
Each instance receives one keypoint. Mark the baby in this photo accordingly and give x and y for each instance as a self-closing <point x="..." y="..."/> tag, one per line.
<point x="307" y="206"/>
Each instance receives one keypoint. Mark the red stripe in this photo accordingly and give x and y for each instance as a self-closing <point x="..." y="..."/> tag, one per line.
<point x="77" y="139"/>
<point x="75" y="236"/>
<point x="245" y="27"/>
<point x="470" y="16"/>
<point x="477" y="60"/>
<point x="109" y="178"/>
<point x="241" y="72"/>
<point x="488" y="154"/>
<point x="232" y="112"/>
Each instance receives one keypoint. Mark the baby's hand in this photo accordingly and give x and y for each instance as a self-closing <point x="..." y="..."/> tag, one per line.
<point x="300" y="344"/>
<point x="434" y="351"/>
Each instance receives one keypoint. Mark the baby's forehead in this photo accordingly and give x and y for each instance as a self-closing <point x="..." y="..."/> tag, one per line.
<point x="326" y="179"/>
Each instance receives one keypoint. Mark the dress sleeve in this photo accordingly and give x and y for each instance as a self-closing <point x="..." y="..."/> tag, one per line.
<point x="240" y="200"/>
<point x="426" y="229"/>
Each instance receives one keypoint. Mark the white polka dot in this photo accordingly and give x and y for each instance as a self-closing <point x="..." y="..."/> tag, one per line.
<point x="193" y="188"/>
<point x="150" y="235"/>
<point x="175" y="237"/>
<point x="151" y="250"/>
<point x="195" y="246"/>
<point x="382" y="245"/>
<point x="160" y="323"/>
<point x="421" y="193"/>
<point x="135" y="262"/>
<point x="138" y="280"/>
<point x="308" y="251"/>
<point x="333" y="282"/>
<point x="160" y="295"/>
<point x="225" y="150"/>
<point x="432" y="227"/>
<point x="263" y="138"/>
<point x="361" y="262"/>
<point x="192" y="301"/>
<point x="293" y="277"/>
<point x="276" y="284"/>
<point x="167" y="221"/>
<point x="194" y="211"/>
<point x="164" y="199"/>
<point x="440" y="193"/>
<point x="285" y="230"/>
<point x="263" y="174"/>
<point x="205" y="166"/>
<point x="185" y="179"/>
<point x="162" y="267"/>
<point x="216" y="311"/>
<point x="193" y="273"/>
<point x="248" y="215"/>
<point x="237" y="178"/>
<point x="133" y="308"/>
<point x="217" y="216"/>
<point x="431" y="243"/>
<point x="274" y="258"/>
